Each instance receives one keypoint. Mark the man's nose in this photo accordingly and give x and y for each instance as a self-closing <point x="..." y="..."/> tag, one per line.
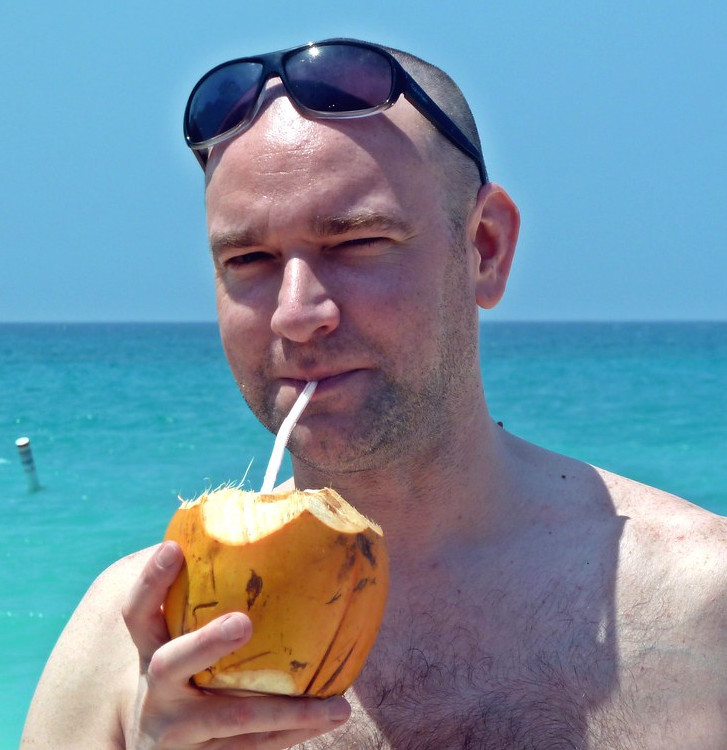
<point x="305" y="308"/>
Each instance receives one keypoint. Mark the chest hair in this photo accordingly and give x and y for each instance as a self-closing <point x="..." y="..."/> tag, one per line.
<point x="546" y="682"/>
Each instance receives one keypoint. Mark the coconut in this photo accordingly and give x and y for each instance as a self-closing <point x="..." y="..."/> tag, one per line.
<point x="309" y="570"/>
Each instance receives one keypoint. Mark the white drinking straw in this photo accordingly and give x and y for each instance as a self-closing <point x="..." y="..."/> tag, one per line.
<point x="281" y="439"/>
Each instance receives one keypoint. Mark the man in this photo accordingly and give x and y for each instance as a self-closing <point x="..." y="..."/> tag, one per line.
<point x="535" y="602"/>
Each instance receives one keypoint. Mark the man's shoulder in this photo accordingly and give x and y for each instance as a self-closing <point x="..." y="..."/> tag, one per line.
<point x="664" y="517"/>
<point x="673" y="553"/>
<point x="97" y="622"/>
<point x="86" y="685"/>
<point x="114" y="582"/>
<point x="668" y="526"/>
<point x="671" y="604"/>
<point x="105" y="596"/>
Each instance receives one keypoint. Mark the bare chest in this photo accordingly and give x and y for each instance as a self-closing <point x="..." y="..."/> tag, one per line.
<point x="477" y="677"/>
<point x="569" y="641"/>
<point x="562" y="670"/>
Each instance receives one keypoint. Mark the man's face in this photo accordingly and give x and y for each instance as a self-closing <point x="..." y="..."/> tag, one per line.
<point x="334" y="262"/>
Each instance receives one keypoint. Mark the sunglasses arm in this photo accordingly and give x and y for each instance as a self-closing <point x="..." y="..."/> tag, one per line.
<point x="201" y="156"/>
<point x="429" y="109"/>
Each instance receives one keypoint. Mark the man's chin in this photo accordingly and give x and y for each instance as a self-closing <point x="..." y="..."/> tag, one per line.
<point x="354" y="448"/>
<point x="342" y="436"/>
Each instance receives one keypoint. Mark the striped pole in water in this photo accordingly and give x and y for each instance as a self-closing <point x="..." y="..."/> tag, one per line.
<point x="26" y="459"/>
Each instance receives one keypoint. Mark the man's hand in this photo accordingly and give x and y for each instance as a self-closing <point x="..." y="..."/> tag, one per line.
<point x="172" y="713"/>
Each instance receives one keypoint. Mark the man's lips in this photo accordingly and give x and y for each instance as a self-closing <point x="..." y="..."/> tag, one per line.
<point x="326" y="381"/>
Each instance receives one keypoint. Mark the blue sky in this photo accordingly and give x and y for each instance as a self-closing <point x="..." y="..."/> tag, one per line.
<point x="606" y="122"/>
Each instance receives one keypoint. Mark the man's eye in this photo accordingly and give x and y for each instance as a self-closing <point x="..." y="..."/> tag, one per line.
<point x="246" y="259"/>
<point x="362" y="243"/>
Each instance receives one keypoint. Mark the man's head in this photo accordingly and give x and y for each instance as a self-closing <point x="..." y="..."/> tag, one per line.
<point x="461" y="175"/>
<point x="333" y="79"/>
<point x="333" y="249"/>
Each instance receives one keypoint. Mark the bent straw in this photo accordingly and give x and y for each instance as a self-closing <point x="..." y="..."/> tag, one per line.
<point x="281" y="439"/>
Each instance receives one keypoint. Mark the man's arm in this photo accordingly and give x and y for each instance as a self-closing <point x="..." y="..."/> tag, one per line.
<point x="80" y="697"/>
<point x="119" y="682"/>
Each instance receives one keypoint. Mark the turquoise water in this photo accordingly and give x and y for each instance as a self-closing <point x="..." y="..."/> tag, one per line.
<point x="124" y="418"/>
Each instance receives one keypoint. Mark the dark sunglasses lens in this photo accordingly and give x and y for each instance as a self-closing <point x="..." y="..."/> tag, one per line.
<point x="339" y="78"/>
<point x="223" y="100"/>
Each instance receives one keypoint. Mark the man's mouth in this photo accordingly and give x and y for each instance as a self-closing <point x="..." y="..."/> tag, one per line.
<point x="327" y="381"/>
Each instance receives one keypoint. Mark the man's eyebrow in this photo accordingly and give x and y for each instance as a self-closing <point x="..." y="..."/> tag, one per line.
<point x="326" y="226"/>
<point x="243" y="237"/>
<point x="321" y="226"/>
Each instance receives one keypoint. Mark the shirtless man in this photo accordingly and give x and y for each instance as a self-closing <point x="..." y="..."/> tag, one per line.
<point x="536" y="602"/>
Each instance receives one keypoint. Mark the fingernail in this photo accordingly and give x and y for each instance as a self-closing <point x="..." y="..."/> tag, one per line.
<point x="338" y="708"/>
<point x="166" y="556"/>
<point x="234" y="627"/>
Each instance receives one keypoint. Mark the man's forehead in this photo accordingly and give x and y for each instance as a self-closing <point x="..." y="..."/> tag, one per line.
<point x="280" y="121"/>
<point x="288" y="173"/>
<point x="281" y="132"/>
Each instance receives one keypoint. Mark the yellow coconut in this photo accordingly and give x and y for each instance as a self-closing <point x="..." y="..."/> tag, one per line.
<point x="309" y="570"/>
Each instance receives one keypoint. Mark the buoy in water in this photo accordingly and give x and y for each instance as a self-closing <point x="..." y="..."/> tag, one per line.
<point x="26" y="459"/>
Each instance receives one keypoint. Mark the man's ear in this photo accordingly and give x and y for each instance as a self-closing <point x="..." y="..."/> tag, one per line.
<point x="492" y="235"/>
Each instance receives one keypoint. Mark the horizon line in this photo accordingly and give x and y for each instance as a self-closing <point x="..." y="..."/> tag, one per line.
<point x="483" y="319"/>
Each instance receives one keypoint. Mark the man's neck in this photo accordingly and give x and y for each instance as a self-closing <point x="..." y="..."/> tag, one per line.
<point x="455" y="492"/>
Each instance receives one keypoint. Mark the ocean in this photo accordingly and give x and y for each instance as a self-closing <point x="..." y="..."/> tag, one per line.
<point x="124" y="418"/>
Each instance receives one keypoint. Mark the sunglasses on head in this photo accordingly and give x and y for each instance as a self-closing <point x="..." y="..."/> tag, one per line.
<point x="333" y="79"/>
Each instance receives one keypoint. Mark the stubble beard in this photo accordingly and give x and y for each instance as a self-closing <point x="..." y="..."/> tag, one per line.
<point x="396" y="419"/>
<point x="399" y="420"/>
